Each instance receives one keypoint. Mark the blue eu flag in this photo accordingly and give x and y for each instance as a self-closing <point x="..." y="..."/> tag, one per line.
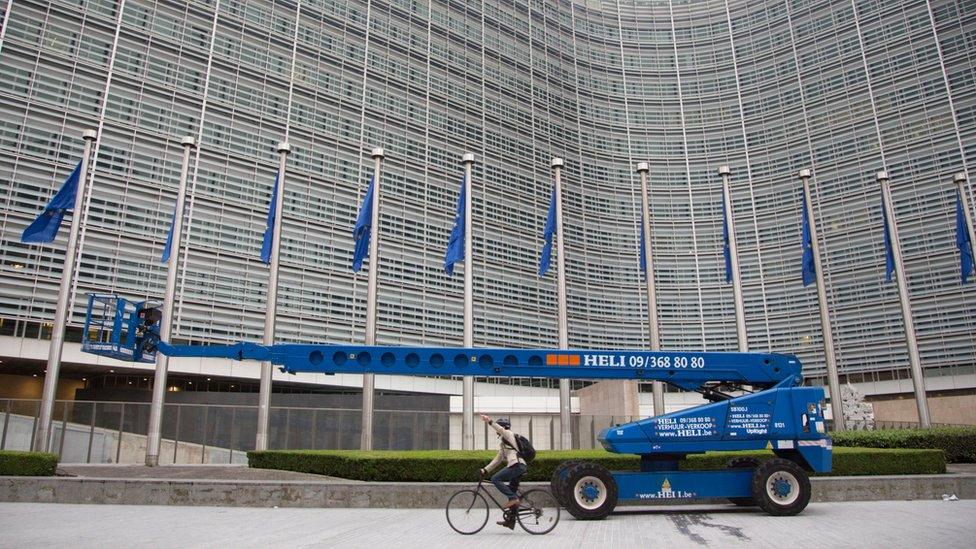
<point x="45" y="227"/>
<point x="547" y="235"/>
<point x="962" y="241"/>
<point x="725" y="243"/>
<point x="169" y="239"/>
<point x="269" y="230"/>
<point x="809" y="268"/>
<point x="455" y="246"/>
<point x="361" y="232"/>
<point x="889" y="254"/>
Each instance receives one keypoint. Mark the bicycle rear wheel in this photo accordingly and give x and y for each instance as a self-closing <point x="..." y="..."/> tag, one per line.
<point x="539" y="512"/>
<point x="467" y="512"/>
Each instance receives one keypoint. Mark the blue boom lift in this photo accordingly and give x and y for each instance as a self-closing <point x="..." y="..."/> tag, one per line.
<point x="776" y="413"/>
<point x="120" y="328"/>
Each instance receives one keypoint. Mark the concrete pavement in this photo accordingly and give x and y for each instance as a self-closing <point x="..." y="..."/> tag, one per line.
<point x="915" y="524"/>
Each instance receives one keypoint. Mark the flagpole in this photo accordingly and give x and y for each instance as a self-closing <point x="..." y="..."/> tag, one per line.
<point x="566" y="433"/>
<point x="740" y="315"/>
<point x="374" y="264"/>
<point x="42" y="442"/>
<point x="960" y="180"/>
<point x="166" y="323"/>
<point x="655" y="330"/>
<point x="833" y="381"/>
<point x="270" y="311"/>
<point x="467" y="394"/>
<point x="906" y="307"/>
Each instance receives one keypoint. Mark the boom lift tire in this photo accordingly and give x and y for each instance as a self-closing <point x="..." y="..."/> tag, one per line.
<point x="781" y="487"/>
<point x="743" y="463"/>
<point x="589" y="490"/>
<point x="558" y="476"/>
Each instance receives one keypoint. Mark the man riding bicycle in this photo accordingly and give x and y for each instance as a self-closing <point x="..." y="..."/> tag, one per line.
<point x="514" y="469"/>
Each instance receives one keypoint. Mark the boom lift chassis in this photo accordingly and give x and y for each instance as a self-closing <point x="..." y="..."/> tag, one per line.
<point x="776" y="413"/>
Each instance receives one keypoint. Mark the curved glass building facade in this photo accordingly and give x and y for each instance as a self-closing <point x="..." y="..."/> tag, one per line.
<point x="845" y="88"/>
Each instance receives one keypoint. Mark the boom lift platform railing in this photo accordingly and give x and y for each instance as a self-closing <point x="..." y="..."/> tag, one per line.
<point x="120" y="328"/>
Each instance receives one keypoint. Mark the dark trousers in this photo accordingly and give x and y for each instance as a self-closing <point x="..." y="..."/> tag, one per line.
<point x="509" y="475"/>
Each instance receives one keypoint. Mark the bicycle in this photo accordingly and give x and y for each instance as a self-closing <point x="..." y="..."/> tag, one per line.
<point x="468" y="511"/>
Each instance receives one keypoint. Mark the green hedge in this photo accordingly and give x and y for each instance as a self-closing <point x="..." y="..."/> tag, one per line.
<point x="846" y="461"/>
<point x="35" y="464"/>
<point x="419" y="466"/>
<point x="461" y="466"/>
<point x="958" y="443"/>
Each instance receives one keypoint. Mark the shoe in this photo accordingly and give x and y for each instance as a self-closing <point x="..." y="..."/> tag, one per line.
<point x="512" y="503"/>
<point x="507" y="524"/>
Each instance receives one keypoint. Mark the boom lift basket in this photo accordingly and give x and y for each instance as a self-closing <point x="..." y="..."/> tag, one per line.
<point x="121" y="329"/>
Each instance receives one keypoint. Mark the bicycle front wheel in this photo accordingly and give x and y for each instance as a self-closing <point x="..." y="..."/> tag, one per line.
<point x="467" y="512"/>
<point x="538" y="512"/>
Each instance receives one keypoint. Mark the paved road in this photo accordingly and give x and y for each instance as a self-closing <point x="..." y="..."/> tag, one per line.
<point x="936" y="524"/>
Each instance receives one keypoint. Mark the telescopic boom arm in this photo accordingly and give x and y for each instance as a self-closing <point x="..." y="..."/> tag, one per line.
<point x="689" y="371"/>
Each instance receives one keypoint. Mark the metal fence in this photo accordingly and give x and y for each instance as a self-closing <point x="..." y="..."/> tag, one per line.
<point x="115" y="432"/>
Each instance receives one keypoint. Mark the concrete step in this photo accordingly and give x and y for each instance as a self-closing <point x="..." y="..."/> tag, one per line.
<point x="343" y="493"/>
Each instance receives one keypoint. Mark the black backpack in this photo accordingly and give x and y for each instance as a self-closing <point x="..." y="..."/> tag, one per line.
<point x="524" y="449"/>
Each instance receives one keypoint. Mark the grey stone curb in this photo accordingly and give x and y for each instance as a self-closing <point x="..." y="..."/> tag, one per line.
<point x="254" y="493"/>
